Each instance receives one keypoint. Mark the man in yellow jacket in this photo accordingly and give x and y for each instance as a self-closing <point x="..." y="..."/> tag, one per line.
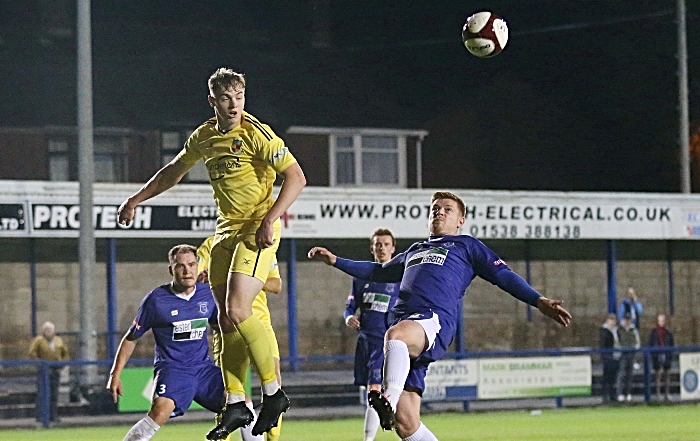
<point x="50" y="347"/>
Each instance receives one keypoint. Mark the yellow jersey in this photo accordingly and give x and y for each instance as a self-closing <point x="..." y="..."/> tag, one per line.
<point x="243" y="163"/>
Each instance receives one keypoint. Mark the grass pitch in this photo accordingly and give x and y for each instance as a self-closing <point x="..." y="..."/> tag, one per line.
<point x="637" y="423"/>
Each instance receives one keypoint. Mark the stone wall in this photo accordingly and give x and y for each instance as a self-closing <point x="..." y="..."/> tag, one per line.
<point x="493" y="319"/>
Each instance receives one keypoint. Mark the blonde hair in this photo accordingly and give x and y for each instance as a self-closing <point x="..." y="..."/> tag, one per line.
<point x="225" y="78"/>
<point x="177" y="249"/>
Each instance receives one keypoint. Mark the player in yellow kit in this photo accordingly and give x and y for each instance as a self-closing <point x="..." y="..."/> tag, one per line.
<point x="240" y="358"/>
<point x="243" y="157"/>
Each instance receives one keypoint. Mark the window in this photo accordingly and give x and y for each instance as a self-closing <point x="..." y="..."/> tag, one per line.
<point x="110" y="150"/>
<point x="171" y="144"/>
<point x="59" y="165"/>
<point x="110" y="158"/>
<point x="368" y="159"/>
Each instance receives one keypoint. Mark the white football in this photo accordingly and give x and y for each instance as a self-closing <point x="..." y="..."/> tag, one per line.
<point x="485" y="34"/>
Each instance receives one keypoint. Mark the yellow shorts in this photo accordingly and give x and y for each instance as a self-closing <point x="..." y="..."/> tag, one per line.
<point x="236" y="252"/>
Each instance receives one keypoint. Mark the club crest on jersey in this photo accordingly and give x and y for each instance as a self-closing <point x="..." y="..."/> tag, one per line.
<point x="203" y="308"/>
<point x="435" y="255"/>
<point x="236" y="145"/>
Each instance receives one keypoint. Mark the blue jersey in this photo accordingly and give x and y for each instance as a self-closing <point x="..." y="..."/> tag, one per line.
<point x="179" y="326"/>
<point x="435" y="274"/>
<point x="374" y="301"/>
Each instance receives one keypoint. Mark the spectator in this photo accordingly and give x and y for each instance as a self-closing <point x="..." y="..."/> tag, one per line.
<point x="630" y="305"/>
<point x="610" y="358"/>
<point x="50" y="347"/>
<point x="628" y="336"/>
<point x="660" y="337"/>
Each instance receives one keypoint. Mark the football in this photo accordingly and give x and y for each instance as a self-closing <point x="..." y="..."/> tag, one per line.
<point x="485" y="34"/>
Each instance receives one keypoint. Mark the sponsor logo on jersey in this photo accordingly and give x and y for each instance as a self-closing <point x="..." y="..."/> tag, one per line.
<point x="434" y="255"/>
<point x="189" y="329"/>
<point x="174" y="313"/>
<point x="375" y="301"/>
<point x="499" y="262"/>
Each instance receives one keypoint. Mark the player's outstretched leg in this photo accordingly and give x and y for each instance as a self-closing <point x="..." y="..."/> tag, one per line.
<point x="235" y="416"/>
<point x="381" y="405"/>
<point x="272" y="407"/>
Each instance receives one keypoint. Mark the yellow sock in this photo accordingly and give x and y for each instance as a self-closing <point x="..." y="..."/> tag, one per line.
<point x="274" y="433"/>
<point x="259" y="349"/>
<point x="234" y="363"/>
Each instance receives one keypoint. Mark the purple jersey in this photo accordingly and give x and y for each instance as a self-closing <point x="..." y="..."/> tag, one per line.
<point x="374" y="301"/>
<point x="438" y="271"/>
<point x="179" y="326"/>
<point x="435" y="274"/>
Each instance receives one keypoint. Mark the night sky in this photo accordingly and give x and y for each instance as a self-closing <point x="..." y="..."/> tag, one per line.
<point x="585" y="96"/>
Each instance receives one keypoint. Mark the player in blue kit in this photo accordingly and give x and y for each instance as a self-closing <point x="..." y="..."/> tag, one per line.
<point x="434" y="275"/>
<point x="374" y="300"/>
<point x="178" y="314"/>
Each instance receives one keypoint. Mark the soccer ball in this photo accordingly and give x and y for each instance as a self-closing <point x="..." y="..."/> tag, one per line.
<point x="485" y="34"/>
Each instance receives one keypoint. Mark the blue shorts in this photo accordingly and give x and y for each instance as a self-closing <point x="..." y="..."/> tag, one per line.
<point x="201" y="383"/>
<point x="369" y="360"/>
<point x="415" y="382"/>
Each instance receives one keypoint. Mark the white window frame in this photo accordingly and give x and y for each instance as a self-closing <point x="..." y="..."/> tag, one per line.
<point x="358" y="151"/>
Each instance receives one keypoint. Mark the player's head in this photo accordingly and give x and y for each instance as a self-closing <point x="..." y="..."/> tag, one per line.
<point x="48" y="330"/>
<point x="227" y="97"/>
<point x="183" y="267"/>
<point x="446" y="214"/>
<point x="382" y="245"/>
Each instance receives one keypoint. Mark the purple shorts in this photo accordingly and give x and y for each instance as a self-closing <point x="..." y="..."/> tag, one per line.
<point x="369" y="360"/>
<point x="183" y="384"/>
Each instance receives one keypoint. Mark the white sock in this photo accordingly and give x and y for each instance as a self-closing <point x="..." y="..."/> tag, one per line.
<point x="143" y="430"/>
<point x="246" y="432"/>
<point x="422" y="434"/>
<point x="371" y="423"/>
<point x="234" y="398"/>
<point x="397" y="363"/>
<point x="271" y="388"/>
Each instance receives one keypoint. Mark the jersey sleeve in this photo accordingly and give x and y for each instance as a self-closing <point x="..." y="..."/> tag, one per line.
<point x="273" y="151"/>
<point x="203" y="253"/>
<point x="351" y="302"/>
<point x="274" y="271"/>
<point x="485" y="262"/>
<point x="492" y="268"/>
<point x="144" y="317"/>
<point x="391" y="271"/>
<point x="190" y="153"/>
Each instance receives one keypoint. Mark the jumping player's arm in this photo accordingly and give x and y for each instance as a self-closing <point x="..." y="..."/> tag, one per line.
<point x="490" y="267"/>
<point x="391" y="271"/>
<point x="273" y="285"/>
<point x="294" y="181"/>
<point x="164" y="179"/>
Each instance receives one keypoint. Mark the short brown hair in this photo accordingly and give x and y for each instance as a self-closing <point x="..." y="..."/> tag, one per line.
<point x="224" y="78"/>
<point x="177" y="249"/>
<point x="383" y="232"/>
<point x="447" y="195"/>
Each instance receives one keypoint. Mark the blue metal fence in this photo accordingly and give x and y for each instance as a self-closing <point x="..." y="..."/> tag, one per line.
<point x="43" y="368"/>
